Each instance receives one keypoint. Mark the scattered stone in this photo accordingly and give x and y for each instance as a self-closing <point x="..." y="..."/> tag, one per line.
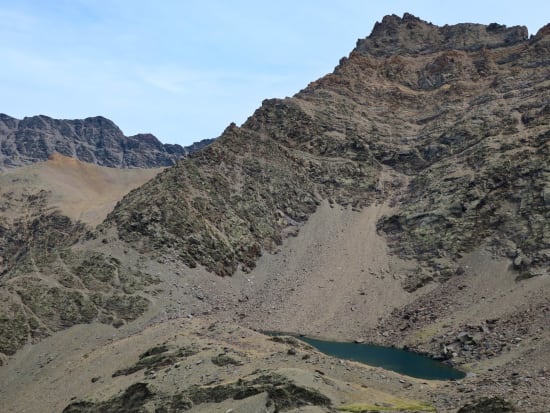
<point x="488" y="405"/>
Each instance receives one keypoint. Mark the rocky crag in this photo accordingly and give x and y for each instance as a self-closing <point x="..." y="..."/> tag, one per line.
<point x="95" y="140"/>
<point x="440" y="135"/>
<point x="459" y="113"/>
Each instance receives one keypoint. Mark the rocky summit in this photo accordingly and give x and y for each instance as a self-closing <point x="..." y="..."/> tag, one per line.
<point x="94" y="140"/>
<point x="403" y="200"/>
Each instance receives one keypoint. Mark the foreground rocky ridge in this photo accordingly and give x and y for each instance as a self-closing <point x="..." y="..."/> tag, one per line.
<point x="200" y="365"/>
<point x="95" y="140"/>
<point x="413" y="182"/>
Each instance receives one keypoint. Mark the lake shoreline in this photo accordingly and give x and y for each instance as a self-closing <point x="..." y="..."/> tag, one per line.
<point x="401" y="360"/>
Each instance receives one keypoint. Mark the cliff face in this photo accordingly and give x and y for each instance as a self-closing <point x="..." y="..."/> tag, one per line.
<point x="93" y="140"/>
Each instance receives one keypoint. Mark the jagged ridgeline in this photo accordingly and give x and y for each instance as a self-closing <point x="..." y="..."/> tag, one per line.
<point x="95" y="140"/>
<point x="461" y="112"/>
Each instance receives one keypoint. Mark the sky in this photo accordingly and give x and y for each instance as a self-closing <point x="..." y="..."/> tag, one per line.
<point x="185" y="69"/>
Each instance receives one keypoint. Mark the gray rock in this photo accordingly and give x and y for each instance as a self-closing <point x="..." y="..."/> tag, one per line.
<point x="462" y="336"/>
<point x="521" y="261"/>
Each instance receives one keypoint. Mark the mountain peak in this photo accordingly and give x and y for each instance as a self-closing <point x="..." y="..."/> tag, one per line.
<point x="412" y="35"/>
<point x="543" y="31"/>
<point x="101" y="121"/>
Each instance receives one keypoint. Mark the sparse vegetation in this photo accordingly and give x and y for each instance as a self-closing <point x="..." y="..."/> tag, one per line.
<point x="225" y="360"/>
<point x="294" y="342"/>
<point x="488" y="405"/>
<point x="282" y="392"/>
<point x="157" y="358"/>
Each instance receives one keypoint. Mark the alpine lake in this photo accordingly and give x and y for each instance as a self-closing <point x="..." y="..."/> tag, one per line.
<point x="390" y="358"/>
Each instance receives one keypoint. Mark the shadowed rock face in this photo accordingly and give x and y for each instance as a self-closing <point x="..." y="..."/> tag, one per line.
<point x="94" y="140"/>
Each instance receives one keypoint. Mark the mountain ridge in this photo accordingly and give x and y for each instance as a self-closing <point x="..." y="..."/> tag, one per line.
<point x="337" y="142"/>
<point x="96" y="140"/>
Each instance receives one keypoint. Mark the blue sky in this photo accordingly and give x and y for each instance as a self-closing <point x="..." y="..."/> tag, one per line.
<point x="183" y="70"/>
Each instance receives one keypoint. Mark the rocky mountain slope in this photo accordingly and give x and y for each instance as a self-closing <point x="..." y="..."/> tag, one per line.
<point x="463" y="132"/>
<point x="402" y="199"/>
<point x="44" y="209"/>
<point x="93" y="140"/>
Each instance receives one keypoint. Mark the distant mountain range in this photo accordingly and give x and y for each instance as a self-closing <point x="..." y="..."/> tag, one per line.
<point x="95" y="140"/>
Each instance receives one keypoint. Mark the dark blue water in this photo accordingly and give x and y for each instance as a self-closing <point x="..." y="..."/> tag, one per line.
<point x="389" y="358"/>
